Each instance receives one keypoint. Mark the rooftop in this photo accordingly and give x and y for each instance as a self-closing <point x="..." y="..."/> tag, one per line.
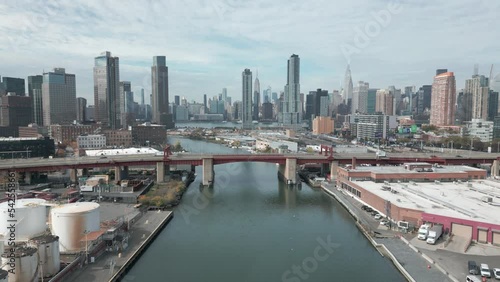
<point x="402" y="169"/>
<point x="454" y="199"/>
<point x="128" y="151"/>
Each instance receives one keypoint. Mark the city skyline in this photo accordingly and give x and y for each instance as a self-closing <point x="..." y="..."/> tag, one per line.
<point x="204" y="64"/>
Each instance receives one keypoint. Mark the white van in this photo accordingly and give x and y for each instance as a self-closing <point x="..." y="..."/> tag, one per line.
<point x="485" y="270"/>
<point x="472" y="278"/>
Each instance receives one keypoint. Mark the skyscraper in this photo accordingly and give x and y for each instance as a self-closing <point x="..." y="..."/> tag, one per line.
<point x="159" y="102"/>
<point x="291" y="115"/>
<point x="385" y="102"/>
<point x="177" y="100"/>
<point x="371" y="100"/>
<point x="58" y="97"/>
<point x="314" y="104"/>
<point x="256" y="97"/>
<point x="477" y="87"/>
<point x="15" y="110"/>
<point x="443" y="99"/>
<point x="440" y="71"/>
<point x="142" y="97"/>
<point x="360" y="97"/>
<point x="424" y="98"/>
<point x="35" y="92"/>
<point x="14" y="85"/>
<point x="247" y="99"/>
<point x="126" y="101"/>
<point x="81" y="107"/>
<point x="347" y="87"/>
<point x="106" y="90"/>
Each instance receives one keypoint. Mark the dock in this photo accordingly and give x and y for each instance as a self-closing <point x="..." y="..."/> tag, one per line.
<point x="114" y="266"/>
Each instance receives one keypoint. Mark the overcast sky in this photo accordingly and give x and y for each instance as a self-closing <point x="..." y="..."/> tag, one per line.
<point x="208" y="43"/>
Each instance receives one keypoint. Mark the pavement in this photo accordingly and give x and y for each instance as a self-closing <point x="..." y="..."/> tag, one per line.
<point x="102" y="269"/>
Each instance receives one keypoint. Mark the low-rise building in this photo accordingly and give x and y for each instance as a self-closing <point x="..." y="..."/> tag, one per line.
<point x="91" y="141"/>
<point x="369" y="127"/>
<point x="69" y="132"/>
<point x="149" y="134"/>
<point x="118" y="137"/>
<point x="480" y="128"/>
<point x="11" y="148"/>
<point x="457" y="197"/>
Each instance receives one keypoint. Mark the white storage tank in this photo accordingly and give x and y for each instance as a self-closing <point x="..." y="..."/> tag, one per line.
<point x="71" y="222"/>
<point x="25" y="262"/>
<point x="48" y="253"/>
<point x="31" y="216"/>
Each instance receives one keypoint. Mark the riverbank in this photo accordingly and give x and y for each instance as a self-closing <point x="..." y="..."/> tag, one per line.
<point x="388" y="243"/>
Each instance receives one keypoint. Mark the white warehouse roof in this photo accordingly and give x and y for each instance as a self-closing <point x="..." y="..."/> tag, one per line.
<point x="119" y="152"/>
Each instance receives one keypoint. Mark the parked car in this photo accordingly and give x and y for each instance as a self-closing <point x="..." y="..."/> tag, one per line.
<point x="485" y="270"/>
<point x="368" y="209"/>
<point x="374" y="213"/>
<point x="378" y="216"/>
<point x="384" y="222"/>
<point x="363" y="207"/>
<point x="473" y="269"/>
<point x="496" y="273"/>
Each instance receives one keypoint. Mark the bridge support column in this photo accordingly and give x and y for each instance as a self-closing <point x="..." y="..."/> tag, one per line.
<point x="324" y="169"/>
<point x="118" y="173"/>
<point x="83" y="172"/>
<point x="27" y="177"/>
<point x="495" y="167"/>
<point x="208" y="172"/>
<point x="73" y="175"/>
<point x="162" y="172"/>
<point x="290" y="173"/>
<point x="333" y="170"/>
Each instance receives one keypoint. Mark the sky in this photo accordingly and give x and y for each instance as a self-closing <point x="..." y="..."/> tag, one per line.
<point x="208" y="43"/>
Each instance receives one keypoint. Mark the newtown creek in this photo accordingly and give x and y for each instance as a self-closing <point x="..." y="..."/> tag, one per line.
<point x="251" y="227"/>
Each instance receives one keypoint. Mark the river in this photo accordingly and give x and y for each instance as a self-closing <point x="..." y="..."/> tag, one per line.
<point x="251" y="227"/>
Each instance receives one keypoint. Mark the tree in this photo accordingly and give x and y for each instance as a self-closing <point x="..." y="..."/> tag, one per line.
<point x="310" y="150"/>
<point x="177" y="147"/>
<point x="236" y="143"/>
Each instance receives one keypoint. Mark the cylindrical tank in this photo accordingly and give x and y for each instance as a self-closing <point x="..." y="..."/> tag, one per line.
<point x="24" y="261"/>
<point x="30" y="216"/>
<point x="4" y="275"/>
<point x="71" y="222"/>
<point x="48" y="253"/>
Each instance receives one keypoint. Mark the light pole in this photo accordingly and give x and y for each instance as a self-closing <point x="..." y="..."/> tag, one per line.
<point x="86" y="232"/>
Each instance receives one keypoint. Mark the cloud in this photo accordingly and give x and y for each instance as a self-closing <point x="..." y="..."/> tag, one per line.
<point x="209" y="43"/>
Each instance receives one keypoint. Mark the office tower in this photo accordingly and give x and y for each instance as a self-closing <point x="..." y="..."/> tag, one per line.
<point x="126" y="104"/>
<point x="106" y="90"/>
<point x="385" y="102"/>
<point x="256" y="97"/>
<point x="90" y="113"/>
<point x="274" y="97"/>
<point x="464" y="108"/>
<point x="409" y="93"/>
<point x="159" y="102"/>
<point x="267" y="95"/>
<point x="35" y="92"/>
<point x="371" y="100"/>
<point x="424" y="98"/>
<point x="247" y="99"/>
<point x="142" y="97"/>
<point x="15" y="110"/>
<point x="302" y="102"/>
<point x="360" y="97"/>
<point x="205" y="102"/>
<point x="221" y="109"/>
<point x="291" y="115"/>
<point x="81" y="107"/>
<point x="316" y="101"/>
<point x="14" y="85"/>
<point x="492" y="105"/>
<point x="443" y="99"/>
<point x="347" y="87"/>
<point x="441" y="71"/>
<point x="58" y="97"/>
<point x="267" y="111"/>
<point x="224" y="94"/>
<point x="177" y="100"/>
<point x="477" y="87"/>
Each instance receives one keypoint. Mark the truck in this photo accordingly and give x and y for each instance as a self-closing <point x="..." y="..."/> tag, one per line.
<point x="423" y="231"/>
<point x="380" y="154"/>
<point x="434" y="233"/>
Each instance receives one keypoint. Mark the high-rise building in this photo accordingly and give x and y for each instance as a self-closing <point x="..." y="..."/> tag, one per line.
<point x="443" y="99"/>
<point x="441" y="71"/>
<point x="385" y="102"/>
<point x="347" y="87"/>
<point x="58" y="97"/>
<point x="35" y="92"/>
<point x="492" y="105"/>
<point x="142" y="96"/>
<point x="205" y="103"/>
<point x="477" y="87"/>
<point x="81" y="107"/>
<point x="15" y="110"/>
<point x="322" y="125"/>
<point x="274" y="97"/>
<point x="424" y="98"/>
<point x="464" y="108"/>
<point x="159" y="102"/>
<point x="224" y="94"/>
<point x="14" y="85"/>
<point x="267" y="111"/>
<point x="177" y="100"/>
<point x="237" y="110"/>
<point x="371" y="100"/>
<point x="314" y="104"/>
<point x="256" y="97"/>
<point x="360" y="97"/>
<point x="247" y="99"/>
<point x="106" y="90"/>
<point x="291" y="115"/>
<point x="126" y="104"/>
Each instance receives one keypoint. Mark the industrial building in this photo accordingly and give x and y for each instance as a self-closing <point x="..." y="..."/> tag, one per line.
<point x="91" y="141"/>
<point x="26" y="147"/>
<point x="458" y="197"/>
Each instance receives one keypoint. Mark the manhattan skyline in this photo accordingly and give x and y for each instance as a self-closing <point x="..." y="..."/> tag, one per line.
<point x="207" y="44"/>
